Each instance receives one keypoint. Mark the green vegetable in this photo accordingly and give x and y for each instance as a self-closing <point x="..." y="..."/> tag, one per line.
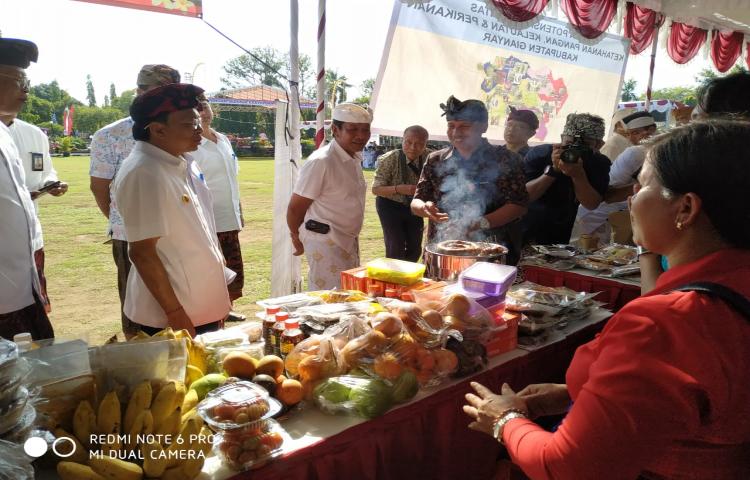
<point x="405" y="387"/>
<point x="371" y="398"/>
<point x="332" y="391"/>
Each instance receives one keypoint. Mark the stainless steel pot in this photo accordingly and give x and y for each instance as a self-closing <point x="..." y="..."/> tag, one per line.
<point x="442" y="266"/>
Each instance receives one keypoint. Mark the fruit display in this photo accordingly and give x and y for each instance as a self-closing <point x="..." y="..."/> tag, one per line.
<point x="145" y="437"/>
<point x="237" y="405"/>
<point x="251" y="447"/>
<point x="362" y="396"/>
<point x="457" y="311"/>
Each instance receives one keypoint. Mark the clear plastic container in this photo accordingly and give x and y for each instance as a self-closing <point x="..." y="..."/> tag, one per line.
<point x="238" y="405"/>
<point x="489" y="278"/>
<point x="23" y="426"/>
<point x="11" y="413"/>
<point x="395" y="271"/>
<point x="250" y="448"/>
<point x="12" y="375"/>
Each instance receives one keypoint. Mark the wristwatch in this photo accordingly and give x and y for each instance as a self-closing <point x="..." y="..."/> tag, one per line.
<point x="551" y="172"/>
<point x="505" y="417"/>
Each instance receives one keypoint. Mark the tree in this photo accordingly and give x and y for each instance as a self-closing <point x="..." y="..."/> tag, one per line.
<point x="88" y="120"/>
<point x="112" y="93"/>
<point x="679" y="94"/>
<point x="106" y="101"/>
<point x="336" y="86"/>
<point x="275" y="67"/>
<point x="45" y="102"/>
<point x="708" y="74"/>
<point x="90" y="95"/>
<point x="628" y="90"/>
<point x="367" y="86"/>
<point x="123" y="102"/>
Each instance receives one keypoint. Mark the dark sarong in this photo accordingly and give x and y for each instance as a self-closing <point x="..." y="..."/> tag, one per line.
<point x="32" y="319"/>
<point x="230" y="247"/>
<point x="39" y="261"/>
<point x="122" y="261"/>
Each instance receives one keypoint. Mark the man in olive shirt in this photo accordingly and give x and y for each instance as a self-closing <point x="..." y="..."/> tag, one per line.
<point x="395" y="183"/>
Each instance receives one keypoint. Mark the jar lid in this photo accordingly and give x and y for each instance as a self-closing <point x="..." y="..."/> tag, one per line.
<point x="282" y="316"/>
<point x="272" y="310"/>
<point x="22" y="337"/>
<point x="290" y="324"/>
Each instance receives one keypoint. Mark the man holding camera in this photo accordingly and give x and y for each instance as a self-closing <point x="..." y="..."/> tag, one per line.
<point x="562" y="176"/>
<point x="327" y="208"/>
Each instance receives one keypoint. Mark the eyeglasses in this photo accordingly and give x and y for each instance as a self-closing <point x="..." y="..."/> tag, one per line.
<point x="23" y="82"/>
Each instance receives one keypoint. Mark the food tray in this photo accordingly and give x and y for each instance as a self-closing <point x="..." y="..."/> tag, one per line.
<point x="238" y="405"/>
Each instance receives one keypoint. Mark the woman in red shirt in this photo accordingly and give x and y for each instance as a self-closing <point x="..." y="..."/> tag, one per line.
<point x="664" y="390"/>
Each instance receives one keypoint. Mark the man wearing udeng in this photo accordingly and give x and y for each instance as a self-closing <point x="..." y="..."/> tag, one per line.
<point x="472" y="190"/>
<point x="330" y="198"/>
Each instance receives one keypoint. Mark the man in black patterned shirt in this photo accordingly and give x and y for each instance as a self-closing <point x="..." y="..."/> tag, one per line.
<point x="472" y="190"/>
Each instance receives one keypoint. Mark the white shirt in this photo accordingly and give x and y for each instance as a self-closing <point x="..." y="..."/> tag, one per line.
<point x="623" y="172"/>
<point x="615" y="145"/>
<point x="109" y="147"/>
<point x="219" y="164"/>
<point x="156" y="199"/>
<point x="333" y="179"/>
<point x="18" y="276"/>
<point x="32" y="143"/>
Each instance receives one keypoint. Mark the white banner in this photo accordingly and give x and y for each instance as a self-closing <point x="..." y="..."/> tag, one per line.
<point x="469" y="49"/>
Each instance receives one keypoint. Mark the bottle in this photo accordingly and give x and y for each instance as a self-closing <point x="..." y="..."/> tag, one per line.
<point x="291" y="337"/>
<point x="24" y="342"/>
<point x="268" y="320"/>
<point x="278" y="331"/>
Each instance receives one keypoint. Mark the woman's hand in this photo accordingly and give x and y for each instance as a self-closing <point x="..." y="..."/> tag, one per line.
<point x="544" y="399"/>
<point x="485" y="407"/>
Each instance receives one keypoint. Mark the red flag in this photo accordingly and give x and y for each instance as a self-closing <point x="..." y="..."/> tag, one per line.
<point x="68" y="120"/>
<point x="187" y="8"/>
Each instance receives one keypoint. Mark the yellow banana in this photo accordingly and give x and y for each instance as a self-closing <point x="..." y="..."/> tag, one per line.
<point x="175" y="473"/>
<point x="167" y="332"/>
<point x="140" y="399"/>
<point x="108" y="418"/>
<point x="204" y="441"/>
<point x="84" y="422"/>
<point x="180" y="392"/>
<point x="141" y="335"/>
<point x="116" y="469"/>
<point x="193" y="466"/>
<point x="80" y="454"/>
<point x="197" y="356"/>
<point x="192" y="373"/>
<point x="154" y="462"/>
<point x="143" y="425"/>
<point x="76" y="471"/>
<point x="190" y="401"/>
<point x="171" y="425"/>
<point x="182" y="442"/>
<point x="164" y="403"/>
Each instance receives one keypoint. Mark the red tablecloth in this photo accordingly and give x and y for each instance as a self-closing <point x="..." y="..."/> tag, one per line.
<point x="613" y="293"/>
<point x="428" y="439"/>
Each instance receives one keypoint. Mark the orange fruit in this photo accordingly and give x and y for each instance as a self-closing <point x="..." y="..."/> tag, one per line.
<point x="290" y="392"/>
<point x="458" y="305"/>
<point x="388" y="324"/>
<point x="405" y="349"/>
<point x="446" y="361"/>
<point x="240" y="364"/>
<point x="433" y="319"/>
<point x="280" y="379"/>
<point x="387" y="366"/>
<point x="310" y="368"/>
<point x="270" y="365"/>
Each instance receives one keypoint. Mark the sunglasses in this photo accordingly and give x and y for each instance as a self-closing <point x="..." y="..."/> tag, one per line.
<point x="23" y="82"/>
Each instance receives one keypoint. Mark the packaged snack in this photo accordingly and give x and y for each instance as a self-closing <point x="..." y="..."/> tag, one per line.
<point x="290" y="303"/>
<point x="395" y="271"/>
<point x="251" y="447"/>
<point x="616" y="254"/>
<point x="237" y="405"/>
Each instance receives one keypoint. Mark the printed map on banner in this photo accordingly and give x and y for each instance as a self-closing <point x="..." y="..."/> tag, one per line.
<point x="469" y="49"/>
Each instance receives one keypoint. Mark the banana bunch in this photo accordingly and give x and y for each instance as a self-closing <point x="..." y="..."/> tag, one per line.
<point x="152" y="409"/>
<point x="197" y="364"/>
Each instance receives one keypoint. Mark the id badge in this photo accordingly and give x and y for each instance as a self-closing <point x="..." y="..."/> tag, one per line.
<point x="37" y="162"/>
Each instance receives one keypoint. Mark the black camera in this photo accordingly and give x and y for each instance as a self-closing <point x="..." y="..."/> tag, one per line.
<point x="575" y="150"/>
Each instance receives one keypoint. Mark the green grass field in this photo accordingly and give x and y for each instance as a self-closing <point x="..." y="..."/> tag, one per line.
<point x="81" y="278"/>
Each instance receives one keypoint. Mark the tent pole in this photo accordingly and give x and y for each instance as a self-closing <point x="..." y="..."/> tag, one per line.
<point x="654" y="44"/>
<point x="320" y="115"/>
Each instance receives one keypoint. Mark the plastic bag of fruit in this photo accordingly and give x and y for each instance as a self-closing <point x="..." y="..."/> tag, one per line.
<point x="313" y="359"/>
<point x="389" y="350"/>
<point x="460" y="313"/>
<point x="425" y="325"/>
<point x="355" y="395"/>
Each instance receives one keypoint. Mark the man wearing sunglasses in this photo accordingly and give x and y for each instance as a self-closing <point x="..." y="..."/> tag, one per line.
<point x="21" y="307"/>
